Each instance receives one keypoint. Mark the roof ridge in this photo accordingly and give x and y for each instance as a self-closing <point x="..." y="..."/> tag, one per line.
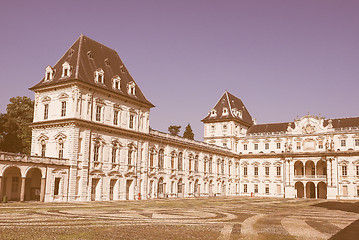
<point x="229" y="103"/>
<point x="78" y="56"/>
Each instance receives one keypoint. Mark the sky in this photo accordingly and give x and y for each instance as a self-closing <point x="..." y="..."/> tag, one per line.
<point x="283" y="59"/>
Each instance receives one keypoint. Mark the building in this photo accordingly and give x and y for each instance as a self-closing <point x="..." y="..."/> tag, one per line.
<point x="91" y="140"/>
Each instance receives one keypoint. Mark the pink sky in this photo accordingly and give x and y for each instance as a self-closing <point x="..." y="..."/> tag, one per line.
<point x="282" y="58"/>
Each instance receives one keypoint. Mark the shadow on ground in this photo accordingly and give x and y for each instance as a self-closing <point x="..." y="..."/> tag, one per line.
<point x="352" y="230"/>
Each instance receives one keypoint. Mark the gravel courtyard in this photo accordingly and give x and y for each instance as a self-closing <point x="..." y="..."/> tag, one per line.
<point x="201" y="218"/>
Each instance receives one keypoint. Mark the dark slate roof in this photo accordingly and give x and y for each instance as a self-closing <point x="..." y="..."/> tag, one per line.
<point x="230" y="102"/>
<point x="282" y="127"/>
<point x="84" y="67"/>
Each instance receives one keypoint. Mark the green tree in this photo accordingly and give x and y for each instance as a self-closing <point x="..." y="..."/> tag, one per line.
<point x="174" y="130"/>
<point x="188" y="133"/>
<point x="15" y="133"/>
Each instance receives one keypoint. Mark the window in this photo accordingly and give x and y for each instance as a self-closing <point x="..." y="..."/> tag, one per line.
<point x="43" y="148"/>
<point x="129" y="157"/>
<point x="61" y="148"/>
<point x="298" y="145"/>
<point x="224" y="127"/>
<point x="15" y="184"/>
<point x="116" y="81"/>
<point x="161" y="159"/>
<point x="256" y="146"/>
<point x="49" y="73"/>
<point x="320" y="145"/>
<point x="210" y="166"/>
<point x="99" y="76"/>
<point x="357" y="142"/>
<point x="151" y="159"/>
<point x="343" y="142"/>
<point x="46" y="111"/>
<point x="180" y="161"/>
<point x="278" y="145"/>
<point x="131" y="121"/>
<point x="267" y="146"/>
<point x="267" y="170"/>
<point x="279" y="189"/>
<point x="98" y="113"/>
<point x="213" y="113"/>
<point x="345" y="191"/>
<point x="344" y="170"/>
<point x="222" y="167"/>
<point x="245" y="171"/>
<point x="255" y="170"/>
<point x="255" y="188"/>
<point x="245" y="188"/>
<point x="357" y="170"/>
<point x="225" y="111"/>
<point x="115" y="117"/>
<point x="66" y="69"/>
<point x="245" y="147"/>
<point x="131" y="88"/>
<point x="267" y="189"/>
<point x="278" y="171"/>
<point x="63" y="109"/>
<point x="172" y="161"/>
<point x="57" y="186"/>
<point x="114" y="152"/>
<point x="205" y="166"/>
<point x="96" y="151"/>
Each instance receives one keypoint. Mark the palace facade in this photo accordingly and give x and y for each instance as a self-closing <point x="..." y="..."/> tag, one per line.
<point x="92" y="141"/>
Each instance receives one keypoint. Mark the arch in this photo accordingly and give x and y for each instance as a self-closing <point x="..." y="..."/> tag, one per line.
<point x="33" y="184"/>
<point x="321" y="168"/>
<point x="299" y="186"/>
<point x="322" y="190"/>
<point x="180" y="190"/>
<point x="180" y="161"/>
<point x="160" y="188"/>
<point x="11" y="183"/>
<point x="298" y="168"/>
<point x="196" y="188"/>
<point x="161" y="158"/>
<point x="310" y="190"/>
<point x="309" y="168"/>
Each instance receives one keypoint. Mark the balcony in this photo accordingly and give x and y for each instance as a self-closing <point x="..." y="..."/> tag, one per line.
<point x="310" y="177"/>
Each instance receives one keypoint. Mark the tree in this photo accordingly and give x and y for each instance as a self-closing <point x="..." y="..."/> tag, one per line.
<point x="188" y="133"/>
<point x="174" y="130"/>
<point x="15" y="133"/>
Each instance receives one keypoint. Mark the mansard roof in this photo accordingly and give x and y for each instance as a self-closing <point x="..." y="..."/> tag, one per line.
<point x="87" y="56"/>
<point x="282" y="127"/>
<point x="232" y="103"/>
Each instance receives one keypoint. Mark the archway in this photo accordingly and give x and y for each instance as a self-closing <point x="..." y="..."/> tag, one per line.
<point x="310" y="190"/>
<point x="298" y="168"/>
<point x="309" y="169"/>
<point x="180" y="188"/>
<point x="321" y="168"/>
<point x="322" y="190"/>
<point x="160" y="188"/>
<point x="33" y="185"/>
<point x="300" y="189"/>
<point x="11" y="185"/>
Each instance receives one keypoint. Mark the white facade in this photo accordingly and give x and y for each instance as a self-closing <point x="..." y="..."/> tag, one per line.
<point x="91" y="140"/>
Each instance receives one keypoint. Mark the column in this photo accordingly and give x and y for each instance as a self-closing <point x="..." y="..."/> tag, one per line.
<point x="22" y="191"/>
<point x="42" y="189"/>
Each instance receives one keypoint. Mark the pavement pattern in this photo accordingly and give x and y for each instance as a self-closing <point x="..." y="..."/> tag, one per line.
<point x="222" y="218"/>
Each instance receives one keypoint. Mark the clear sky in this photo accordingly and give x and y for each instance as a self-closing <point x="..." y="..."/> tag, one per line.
<point x="282" y="58"/>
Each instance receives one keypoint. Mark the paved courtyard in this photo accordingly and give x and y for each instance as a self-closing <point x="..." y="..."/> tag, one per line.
<point x="201" y="218"/>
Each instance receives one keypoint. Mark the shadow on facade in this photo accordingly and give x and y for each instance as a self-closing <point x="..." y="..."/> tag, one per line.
<point x="352" y="230"/>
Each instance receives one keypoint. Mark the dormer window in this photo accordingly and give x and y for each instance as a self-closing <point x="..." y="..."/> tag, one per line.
<point x="99" y="76"/>
<point x="49" y="74"/>
<point x="213" y="113"/>
<point x="116" y="83"/>
<point x="240" y="113"/>
<point x="131" y="88"/>
<point x="225" y="111"/>
<point x="66" y="69"/>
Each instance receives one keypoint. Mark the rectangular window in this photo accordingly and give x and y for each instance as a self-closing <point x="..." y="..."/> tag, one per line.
<point x="245" y="171"/>
<point x="210" y="166"/>
<point x="357" y="170"/>
<point x="278" y="171"/>
<point x="129" y="157"/>
<point x="96" y="153"/>
<point x="57" y="186"/>
<point x="255" y="171"/>
<point x="114" y="151"/>
<point x="357" y="142"/>
<point x="98" y="113"/>
<point x="256" y="146"/>
<point x="357" y="191"/>
<point x="61" y="150"/>
<point x="298" y="145"/>
<point x="43" y="149"/>
<point x="267" y="189"/>
<point x="245" y="188"/>
<point x="343" y="143"/>
<point x="131" y="121"/>
<point x="344" y="170"/>
<point x="63" y="109"/>
<point x="278" y="145"/>
<point x="115" y="117"/>
<point x="245" y="147"/>
<point x="255" y="188"/>
<point x="267" y="146"/>
<point x="46" y="111"/>
<point x="267" y="171"/>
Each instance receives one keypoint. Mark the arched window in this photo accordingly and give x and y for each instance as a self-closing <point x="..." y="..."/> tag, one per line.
<point x="114" y="154"/>
<point x="129" y="157"/>
<point x="180" y="161"/>
<point x="222" y="167"/>
<point x="210" y="165"/>
<point x="173" y="155"/>
<point x="96" y="152"/>
<point x="161" y="159"/>
<point x="151" y="159"/>
<point x="179" y="186"/>
<point x="196" y="164"/>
